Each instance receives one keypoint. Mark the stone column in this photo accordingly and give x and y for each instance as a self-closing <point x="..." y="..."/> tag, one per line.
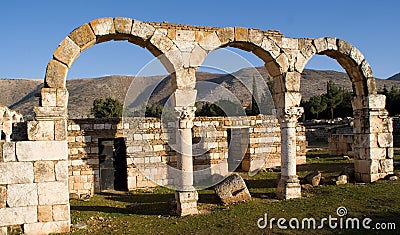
<point x="289" y="184"/>
<point x="186" y="196"/>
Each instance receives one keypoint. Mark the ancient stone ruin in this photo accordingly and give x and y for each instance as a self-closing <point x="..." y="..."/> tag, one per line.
<point x="38" y="173"/>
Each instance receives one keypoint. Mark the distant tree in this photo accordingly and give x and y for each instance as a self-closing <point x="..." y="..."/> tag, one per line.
<point x="317" y="104"/>
<point x="253" y="109"/>
<point x="107" y="108"/>
<point x="334" y="96"/>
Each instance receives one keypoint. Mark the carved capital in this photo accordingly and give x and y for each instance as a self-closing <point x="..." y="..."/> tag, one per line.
<point x="185" y="116"/>
<point x="289" y="115"/>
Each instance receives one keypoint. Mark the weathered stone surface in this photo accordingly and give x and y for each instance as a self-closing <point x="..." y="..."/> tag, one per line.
<point x="40" y="130"/>
<point x="60" y="130"/>
<point x="47" y="227"/>
<point x="256" y="36"/>
<point x="290" y="43"/>
<point x="48" y="97"/>
<point x="18" y="215"/>
<point x="67" y="52"/>
<point x="22" y="195"/>
<point x="210" y="41"/>
<point x="8" y="152"/>
<point x="356" y="55"/>
<point x="123" y="25"/>
<point x="60" y="212"/>
<point x="61" y="168"/>
<point x="331" y="44"/>
<point x="226" y="35"/>
<point x="42" y="150"/>
<point x="366" y="69"/>
<point x="385" y="140"/>
<point x="16" y="173"/>
<point x="344" y="47"/>
<point x="313" y="178"/>
<point x="321" y="44"/>
<point x="83" y="37"/>
<point x="53" y="193"/>
<point x="56" y="74"/>
<point x="103" y="26"/>
<point x="45" y="213"/>
<point x="186" y="203"/>
<point x="197" y="57"/>
<point x="62" y="98"/>
<point x="241" y="34"/>
<point x="3" y="196"/>
<point x="142" y="30"/>
<point x="161" y="41"/>
<point x="233" y="189"/>
<point x="44" y="171"/>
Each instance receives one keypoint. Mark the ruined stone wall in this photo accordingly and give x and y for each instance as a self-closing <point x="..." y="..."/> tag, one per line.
<point x="341" y="144"/>
<point x="148" y="149"/>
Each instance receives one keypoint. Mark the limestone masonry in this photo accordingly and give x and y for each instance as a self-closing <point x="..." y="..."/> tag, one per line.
<point x="54" y="156"/>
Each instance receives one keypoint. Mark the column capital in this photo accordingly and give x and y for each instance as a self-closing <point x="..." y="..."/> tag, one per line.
<point x="185" y="116"/>
<point x="289" y="115"/>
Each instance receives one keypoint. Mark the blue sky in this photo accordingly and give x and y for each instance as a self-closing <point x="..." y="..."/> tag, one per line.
<point x="31" y="30"/>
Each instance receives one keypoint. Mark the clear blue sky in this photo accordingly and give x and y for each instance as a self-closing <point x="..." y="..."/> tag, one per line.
<point x="31" y="30"/>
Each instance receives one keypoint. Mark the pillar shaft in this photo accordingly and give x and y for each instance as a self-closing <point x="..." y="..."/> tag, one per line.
<point x="186" y="195"/>
<point x="289" y="185"/>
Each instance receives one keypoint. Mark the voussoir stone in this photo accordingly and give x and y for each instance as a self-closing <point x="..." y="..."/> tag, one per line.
<point x="123" y="25"/>
<point x="103" y="26"/>
<point x="83" y="36"/>
<point x="67" y="52"/>
<point x="56" y="74"/>
<point x="233" y="189"/>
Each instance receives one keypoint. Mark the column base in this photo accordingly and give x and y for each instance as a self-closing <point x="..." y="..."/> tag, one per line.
<point x="289" y="188"/>
<point x="186" y="202"/>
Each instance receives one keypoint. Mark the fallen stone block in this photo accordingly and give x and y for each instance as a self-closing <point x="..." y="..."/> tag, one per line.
<point x="342" y="179"/>
<point x="313" y="178"/>
<point x="233" y="189"/>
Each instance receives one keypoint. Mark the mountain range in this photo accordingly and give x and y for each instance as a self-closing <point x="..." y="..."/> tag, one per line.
<point x="23" y="94"/>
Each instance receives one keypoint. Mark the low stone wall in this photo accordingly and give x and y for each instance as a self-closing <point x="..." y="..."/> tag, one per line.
<point x="341" y="145"/>
<point x="150" y="148"/>
<point x="33" y="186"/>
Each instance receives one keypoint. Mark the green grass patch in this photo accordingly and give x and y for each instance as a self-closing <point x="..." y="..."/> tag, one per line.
<point x="143" y="211"/>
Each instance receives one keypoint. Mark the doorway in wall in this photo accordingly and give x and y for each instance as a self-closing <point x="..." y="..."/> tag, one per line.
<point x="112" y="164"/>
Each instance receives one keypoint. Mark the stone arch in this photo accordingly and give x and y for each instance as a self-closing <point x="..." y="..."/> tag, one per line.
<point x="348" y="56"/>
<point x="102" y="30"/>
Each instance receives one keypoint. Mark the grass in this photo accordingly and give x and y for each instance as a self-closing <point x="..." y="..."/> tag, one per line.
<point x="108" y="213"/>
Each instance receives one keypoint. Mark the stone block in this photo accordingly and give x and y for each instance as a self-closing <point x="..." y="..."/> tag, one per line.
<point x="186" y="202"/>
<point x="53" y="193"/>
<point x="241" y="34"/>
<point x="18" y="215"/>
<point x="292" y="81"/>
<point x="44" y="171"/>
<point x="8" y="152"/>
<point x="83" y="37"/>
<point x="226" y="35"/>
<point x="376" y="101"/>
<point x="61" y="170"/>
<point x="61" y="212"/>
<point x="356" y="55"/>
<point x="3" y="230"/>
<point x="46" y="227"/>
<point x="290" y="43"/>
<point x="331" y="43"/>
<point x="45" y="213"/>
<point x="344" y="47"/>
<point x="60" y="130"/>
<point x="256" y="36"/>
<point x="56" y="74"/>
<point x="22" y="195"/>
<point x="67" y="52"/>
<point x="40" y="130"/>
<point x="385" y="140"/>
<point x="48" y="96"/>
<point x="161" y="41"/>
<point x="16" y="172"/>
<point x="197" y="57"/>
<point x="321" y="44"/>
<point x="142" y="30"/>
<point x="123" y="25"/>
<point x="210" y="42"/>
<point x="41" y="150"/>
<point x="62" y="97"/>
<point x="3" y="196"/>
<point x="103" y="26"/>
<point x="233" y="189"/>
